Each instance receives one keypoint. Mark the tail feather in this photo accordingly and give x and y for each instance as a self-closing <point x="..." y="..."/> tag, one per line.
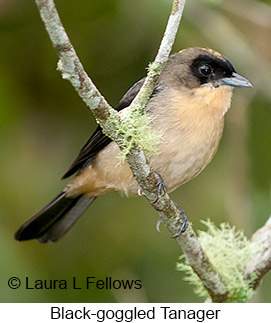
<point x="54" y="220"/>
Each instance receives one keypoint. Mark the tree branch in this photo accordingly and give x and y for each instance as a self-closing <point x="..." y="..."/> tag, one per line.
<point x="71" y="68"/>
<point x="161" y="58"/>
<point x="261" y="263"/>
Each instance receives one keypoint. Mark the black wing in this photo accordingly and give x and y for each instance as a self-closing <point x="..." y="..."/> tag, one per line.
<point x="99" y="140"/>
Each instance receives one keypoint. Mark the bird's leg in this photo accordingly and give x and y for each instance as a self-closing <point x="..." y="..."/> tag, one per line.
<point x="183" y="221"/>
<point x="161" y="190"/>
<point x="161" y="187"/>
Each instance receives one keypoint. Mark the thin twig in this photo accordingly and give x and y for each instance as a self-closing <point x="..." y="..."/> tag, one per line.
<point x="72" y="70"/>
<point x="161" y="58"/>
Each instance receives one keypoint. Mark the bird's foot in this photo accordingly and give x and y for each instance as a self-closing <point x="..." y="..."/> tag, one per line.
<point x="161" y="187"/>
<point x="159" y="221"/>
<point x="140" y="191"/>
<point x="183" y="222"/>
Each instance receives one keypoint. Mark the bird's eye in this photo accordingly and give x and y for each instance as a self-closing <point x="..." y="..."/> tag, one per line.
<point x="205" y="69"/>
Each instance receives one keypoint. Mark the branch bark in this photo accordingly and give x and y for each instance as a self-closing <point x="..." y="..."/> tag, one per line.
<point x="261" y="263"/>
<point x="71" y="68"/>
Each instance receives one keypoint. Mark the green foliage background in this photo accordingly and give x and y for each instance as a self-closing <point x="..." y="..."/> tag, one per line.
<point x="43" y="124"/>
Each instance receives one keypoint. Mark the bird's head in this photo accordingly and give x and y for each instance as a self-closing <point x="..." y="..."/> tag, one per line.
<point x="195" y="67"/>
<point x="201" y="78"/>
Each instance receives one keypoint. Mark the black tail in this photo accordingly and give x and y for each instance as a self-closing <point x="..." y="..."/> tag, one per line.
<point x="54" y="220"/>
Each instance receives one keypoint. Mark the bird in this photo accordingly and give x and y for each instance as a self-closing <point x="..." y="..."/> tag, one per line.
<point x="187" y="106"/>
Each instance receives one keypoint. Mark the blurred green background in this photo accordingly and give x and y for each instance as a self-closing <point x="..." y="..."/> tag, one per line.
<point x="43" y="124"/>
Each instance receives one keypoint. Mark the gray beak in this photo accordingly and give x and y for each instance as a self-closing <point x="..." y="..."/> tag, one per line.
<point x="235" y="80"/>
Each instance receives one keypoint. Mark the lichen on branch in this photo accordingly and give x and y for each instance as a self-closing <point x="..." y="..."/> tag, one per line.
<point x="228" y="250"/>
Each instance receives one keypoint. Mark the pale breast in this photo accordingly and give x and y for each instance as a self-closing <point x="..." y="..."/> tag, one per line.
<point x="191" y="134"/>
<point x="182" y="158"/>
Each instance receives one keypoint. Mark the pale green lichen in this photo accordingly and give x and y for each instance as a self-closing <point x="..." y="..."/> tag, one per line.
<point x="228" y="250"/>
<point x="132" y="126"/>
<point x="138" y="132"/>
<point x="155" y="68"/>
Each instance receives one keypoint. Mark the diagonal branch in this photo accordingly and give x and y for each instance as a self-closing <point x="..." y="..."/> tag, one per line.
<point x="71" y="68"/>
<point x="261" y="263"/>
<point x="161" y="58"/>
